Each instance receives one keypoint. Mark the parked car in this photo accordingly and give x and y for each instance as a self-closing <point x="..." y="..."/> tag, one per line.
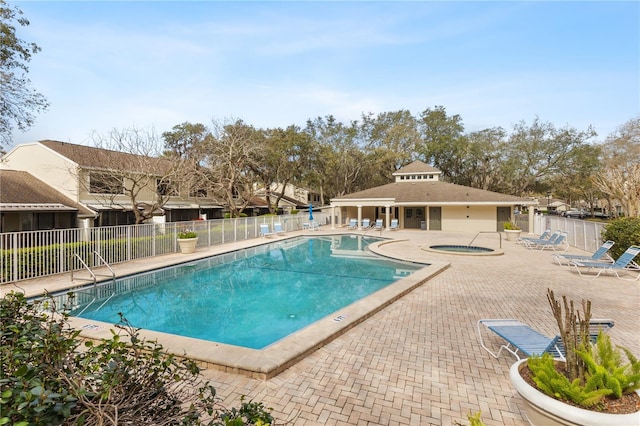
<point x="599" y="215"/>
<point x="574" y="214"/>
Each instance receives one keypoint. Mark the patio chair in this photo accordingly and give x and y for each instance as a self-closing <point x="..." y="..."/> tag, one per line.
<point x="557" y="243"/>
<point x="264" y="231"/>
<point x="378" y="225"/>
<point x="277" y="228"/>
<point x="533" y="241"/>
<point x="366" y="223"/>
<point x="544" y="236"/>
<point x="623" y="264"/>
<point x="523" y="340"/>
<point x="394" y="225"/>
<point x="353" y="224"/>
<point x="599" y="255"/>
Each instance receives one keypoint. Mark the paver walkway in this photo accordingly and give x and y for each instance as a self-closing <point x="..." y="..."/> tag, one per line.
<point x="418" y="361"/>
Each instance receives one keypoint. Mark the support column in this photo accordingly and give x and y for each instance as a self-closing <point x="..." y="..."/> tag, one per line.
<point x="387" y="217"/>
<point x="531" y="220"/>
<point x="333" y="215"/>
<point x="360" y="217"/>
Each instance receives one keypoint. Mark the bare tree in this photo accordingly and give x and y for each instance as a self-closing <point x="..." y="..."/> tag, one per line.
<point x="226" y="160"/>
<point x="128" y="172"/>
<point x="620" y="176"/>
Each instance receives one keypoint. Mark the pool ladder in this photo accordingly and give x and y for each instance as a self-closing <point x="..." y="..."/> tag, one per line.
<point x="93" y="274"/>
<point x="486" y="232"/>
<point x="94" y="279"/>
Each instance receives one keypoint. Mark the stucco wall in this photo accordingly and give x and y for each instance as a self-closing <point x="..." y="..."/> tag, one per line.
<point x="46" y="165"/>
<point x="472" y="219"/>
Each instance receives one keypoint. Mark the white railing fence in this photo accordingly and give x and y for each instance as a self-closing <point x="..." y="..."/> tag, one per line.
<point x="35" y="254"/>
<point x="581" y="234"/>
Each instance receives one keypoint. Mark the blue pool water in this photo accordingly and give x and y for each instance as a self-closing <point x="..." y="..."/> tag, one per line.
<point x="251" y="297"/>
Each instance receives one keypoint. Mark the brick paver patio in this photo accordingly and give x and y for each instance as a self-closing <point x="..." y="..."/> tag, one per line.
<point x="418" y="361"/>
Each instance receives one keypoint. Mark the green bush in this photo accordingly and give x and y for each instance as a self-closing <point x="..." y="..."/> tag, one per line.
<point x="625" y="232"/>
<point x="50" y="377"/>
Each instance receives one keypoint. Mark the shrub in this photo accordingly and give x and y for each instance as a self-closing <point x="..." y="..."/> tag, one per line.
<point x="625" y="232"/>
<point x="187" y="234"/>
<point x="510" y="226"/>
<point x="50" y="377"/>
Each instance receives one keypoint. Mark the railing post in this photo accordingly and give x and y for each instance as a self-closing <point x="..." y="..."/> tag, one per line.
<point x="14" y="267"/>
<point x="128" y="243"/>
<point x="62" y="241"/>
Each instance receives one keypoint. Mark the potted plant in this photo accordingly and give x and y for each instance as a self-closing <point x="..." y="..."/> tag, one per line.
<point x="512" y="230"/>
<point x="592" y="386"/>
<point x="187" y="241"/>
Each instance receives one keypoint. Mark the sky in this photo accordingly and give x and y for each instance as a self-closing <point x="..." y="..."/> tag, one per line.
<point x="152" y="65"/>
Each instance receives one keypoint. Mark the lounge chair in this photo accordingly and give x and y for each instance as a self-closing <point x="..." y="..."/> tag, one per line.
<point x="533" y="241"/>
<point x="366" y="223"/>
<point x="378" y="225"/>
<point x="554" y="244"/>
<point x="277" y="228"/>
<point x="394" y="225"/>
<point x="599" y="255"/>
<point x="544" y="236"/>
<point x="623" y="264"/>
<point x="264" y="231"/>
<point x="524" y="340"/>
<point x="353" y="224"/>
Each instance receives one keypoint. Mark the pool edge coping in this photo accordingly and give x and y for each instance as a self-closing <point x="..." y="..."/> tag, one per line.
<point x="281" y="355"/>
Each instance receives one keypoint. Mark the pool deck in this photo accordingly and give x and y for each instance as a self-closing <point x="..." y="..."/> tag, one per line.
<point x="417" y="361"/>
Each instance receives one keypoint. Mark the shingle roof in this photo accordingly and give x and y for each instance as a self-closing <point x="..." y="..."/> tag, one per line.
<point x="21" y="188"/>
<point x="100" y="158"/>
<point x="433" y="192"/>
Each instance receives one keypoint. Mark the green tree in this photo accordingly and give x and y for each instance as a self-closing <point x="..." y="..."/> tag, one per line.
<point x="482" y="165"/>
<point x="18" y="101"/>
<point x="281" y="159"/>
<point x="338" y="154"/>
<point x="536" y="153"/>
<point x="442" y="143"/>
<point x="184" y="139"/>
<point x="390" y="139"/>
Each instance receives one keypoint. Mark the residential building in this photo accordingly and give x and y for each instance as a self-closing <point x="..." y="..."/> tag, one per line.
<point x="28" y="204"/>
<point x="101" y="180"/>
<point x="420" y="200"/>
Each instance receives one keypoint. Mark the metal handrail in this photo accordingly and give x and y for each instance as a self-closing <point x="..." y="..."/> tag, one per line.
<point x="87" y="268"/>
<point x="113" y="274"/>
<point x="93" y="274"/>
<point x="486" y="232"/>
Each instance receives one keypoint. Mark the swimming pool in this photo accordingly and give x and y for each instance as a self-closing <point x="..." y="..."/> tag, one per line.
<point x="250" y="298"/>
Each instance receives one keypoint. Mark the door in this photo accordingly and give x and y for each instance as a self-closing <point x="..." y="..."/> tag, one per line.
<point x="412" y="217"/>
<point x="435" y="218"/>
<point x="504" y="215"/>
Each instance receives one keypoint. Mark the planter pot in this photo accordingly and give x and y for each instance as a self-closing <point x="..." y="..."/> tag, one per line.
<point x="544" y="410"/>
<point x="187" y="245"/>
<point x="512" y="234"/>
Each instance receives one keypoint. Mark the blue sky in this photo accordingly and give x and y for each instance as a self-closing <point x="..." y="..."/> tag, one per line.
<point x="156" y="64"/>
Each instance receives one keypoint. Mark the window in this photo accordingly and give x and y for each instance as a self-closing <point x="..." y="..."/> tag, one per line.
<point x="166" y="187"/>
<point x="103" y="183"/>
<point x="198" y="193"/>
